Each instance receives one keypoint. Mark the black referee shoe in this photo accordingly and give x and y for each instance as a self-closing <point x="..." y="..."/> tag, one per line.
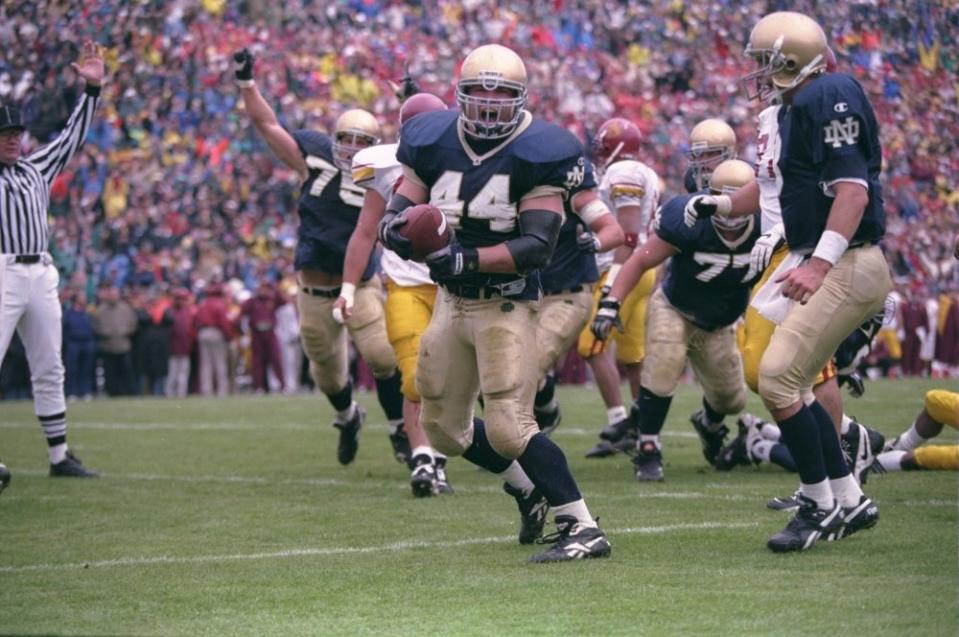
<point x="71" y="467"/>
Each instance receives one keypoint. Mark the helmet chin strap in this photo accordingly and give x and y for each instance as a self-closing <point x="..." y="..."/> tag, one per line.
<point x="613" y="155"/>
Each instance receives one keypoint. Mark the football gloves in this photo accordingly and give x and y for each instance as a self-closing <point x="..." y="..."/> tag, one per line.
<point x="607" y="317"/>
<point x="407" y="88"/>
<point x="705" y="206"/>
<point x="388" y="232"/>
<point x="586" y="240"/>
<point x="765" y="246"/>
<point x="452" y="261"/>
<point x="243" y="66"/>
<point x="854" y="380"/>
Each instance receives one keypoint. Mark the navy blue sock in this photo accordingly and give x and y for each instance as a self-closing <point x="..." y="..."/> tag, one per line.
<point x="800" y="433"/>
<point x="714" y="416"/>
<point x="836" y="465"/>
<point x="388" y="392"/>
<point x="779" y="454"/>
<point x="481" y="452"/>
<point x="342" y="399"/>
<point x="545" y="395"/>
<point x="652" y="411"/>
<point x="544" y="463"/>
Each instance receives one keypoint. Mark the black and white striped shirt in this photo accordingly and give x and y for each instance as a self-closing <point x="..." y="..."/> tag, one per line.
<point x="25" y="185"/>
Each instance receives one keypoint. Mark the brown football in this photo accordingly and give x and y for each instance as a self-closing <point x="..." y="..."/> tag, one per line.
<point x="427" y="230"/>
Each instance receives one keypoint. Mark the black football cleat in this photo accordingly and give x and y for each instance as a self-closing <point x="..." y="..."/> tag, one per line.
<point x="548" y="421"/>
<point x="442" y="483"/>
<point x="735" y="453"/>
<point x="784" y="503"/>
<point x="532" y="511"/>
<point x="423" y="477"/>
<point x="4" y="477"/>
<point x="858" y="446"/>
<point x="71" y="467"/>
<point x="806" y="527"/>
<point x="711" y="436"/>
<point x="858" y="518"/>
<point x="401" y="446"/>
<point x="617" y="430"/>
<point x="572" y="541"/>
<point x="648" y="462"/>
<point x="602" y="449"/>
<point x="349" y="436"/>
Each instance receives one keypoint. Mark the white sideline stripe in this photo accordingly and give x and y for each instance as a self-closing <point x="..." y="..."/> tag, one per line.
<point x="345" y="550"/>
<point x="224" y="426"/>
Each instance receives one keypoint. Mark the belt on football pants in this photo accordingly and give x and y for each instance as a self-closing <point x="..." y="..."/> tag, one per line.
<point x="572" y="290"/>
<point x="327" y="293"/>
<point x="28" y="259"/>
<point x="474" y="292"/>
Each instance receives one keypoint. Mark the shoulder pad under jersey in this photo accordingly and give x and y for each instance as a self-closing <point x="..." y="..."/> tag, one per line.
<point x="543" y="142"/>
<point x="426" y="128"/>
<point x="314" y="143"/>
<point x="369" y="160"/>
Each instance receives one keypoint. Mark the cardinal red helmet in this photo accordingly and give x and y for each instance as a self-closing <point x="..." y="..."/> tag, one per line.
<point x="420" y="103"/>
<point x="616" y="139"/>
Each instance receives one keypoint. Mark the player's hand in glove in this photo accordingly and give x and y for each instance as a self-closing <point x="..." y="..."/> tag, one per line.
<point x="388" y="232"/>
<point x="705" y="206"/>
<point x="607" y="317"/>
<point x="452" y="261"/>
<point x="586" y="240"/>
<point x="243" y="66"/>
<point x="856" y="386"/>
<point x="765" y="246"/>
<point x="407" y="88"/>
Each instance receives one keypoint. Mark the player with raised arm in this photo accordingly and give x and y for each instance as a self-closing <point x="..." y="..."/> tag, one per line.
<point x="827" y="158"/>
<point x="410" y="293"/>
<point x="329" y="207"/>
<point x="692" y="315"/>
<point x="499" y="176"/>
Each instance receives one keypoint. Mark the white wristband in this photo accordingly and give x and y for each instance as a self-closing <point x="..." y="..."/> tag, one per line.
<point x="613" y="271"/>
<point x="831" y="246"/>
<point x="347" y="291"/>
<point x="245" y="83"/>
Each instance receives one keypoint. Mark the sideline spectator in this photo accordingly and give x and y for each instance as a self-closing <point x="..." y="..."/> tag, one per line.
<point x="115" y="323"/>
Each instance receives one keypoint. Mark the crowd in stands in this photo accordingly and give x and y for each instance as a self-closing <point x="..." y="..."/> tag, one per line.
<point x="174" y="191"/>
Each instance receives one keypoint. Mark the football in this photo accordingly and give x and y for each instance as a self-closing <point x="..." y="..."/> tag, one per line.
<point x="427" y="230"/>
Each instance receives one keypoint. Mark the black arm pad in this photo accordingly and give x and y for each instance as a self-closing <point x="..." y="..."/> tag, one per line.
<point x="397" y="204"/>
<point x="533" y="248"/>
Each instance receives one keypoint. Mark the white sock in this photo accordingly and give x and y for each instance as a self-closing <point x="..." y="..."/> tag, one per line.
<point x="615" y="414"/>
<point x="650" y="438"/>
<point x="820" y="493"/>
<point x="57" y="453"/>
<point x="846" y="490"/>
<point x="770" y="431"/>
<point x="393" y="425"/>
<point x="761" y="449"/>
<point x="578" y="510"/>
<point x="515" y="477"/>
<point x="422" y="451"/>
<point x="908" y="440"/>
<point x="346" y="414"/>
<point x="844" y="425"/>
<point x="891" y="460"/>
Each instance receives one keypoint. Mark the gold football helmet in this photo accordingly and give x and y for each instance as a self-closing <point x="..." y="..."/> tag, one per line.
<point x="491" y="67"/>
<point x="355" y="130"/>
<point x="789" y="47"/>
<point x="710" y="142"/>
<point x="727" y="178"/>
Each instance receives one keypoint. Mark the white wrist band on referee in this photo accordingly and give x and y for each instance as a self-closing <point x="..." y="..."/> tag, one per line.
<point x="245" y="83"/>
<point x="831" y="246"/>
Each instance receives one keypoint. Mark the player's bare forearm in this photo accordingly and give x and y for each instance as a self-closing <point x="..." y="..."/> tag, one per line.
<point x="415" y="192"/>
<point x="631" y="221"/>
<point x="609" y="232"/>
<point x="363" y="239"/>
<point x="745" y="200"/>
<point x="647" y="256"/>
<point x="277" y="138"/>
<point x="496" y="259"/>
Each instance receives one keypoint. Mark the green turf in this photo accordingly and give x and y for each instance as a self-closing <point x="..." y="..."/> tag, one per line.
<point x="233" y="518"/>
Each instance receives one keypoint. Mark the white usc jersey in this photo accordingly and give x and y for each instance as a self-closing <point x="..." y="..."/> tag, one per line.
<point x="628" y="183"/>
<point x="376" y="167"/>
<point x="768" y="175"/>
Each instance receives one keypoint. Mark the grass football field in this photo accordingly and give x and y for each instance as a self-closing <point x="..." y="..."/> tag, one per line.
<point x="232" y="517"/>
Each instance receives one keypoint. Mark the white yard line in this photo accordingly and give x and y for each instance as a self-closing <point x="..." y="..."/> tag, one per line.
<point x="344" y="550"/>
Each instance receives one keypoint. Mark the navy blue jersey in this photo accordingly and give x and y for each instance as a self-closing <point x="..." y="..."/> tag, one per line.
<point x="828" y="133"/>
<point x="329" y="208"/>
<point x="709" y="280"/>
<point x="569" y="266"/>
<point x="480" y="192"/>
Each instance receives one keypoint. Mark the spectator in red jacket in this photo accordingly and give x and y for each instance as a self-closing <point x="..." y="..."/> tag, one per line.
<point x="214" y="332"/>
<point x="260" y="314"/>
<point x="182" y="336"/>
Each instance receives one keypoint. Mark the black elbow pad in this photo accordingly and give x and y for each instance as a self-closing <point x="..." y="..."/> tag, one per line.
<point x="397" y="204"/>
<point x="539" y="230"/>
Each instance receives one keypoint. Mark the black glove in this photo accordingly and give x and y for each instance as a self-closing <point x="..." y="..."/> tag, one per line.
<point x="452" y="261"/>
<point x="607" y="317"/>
<point x="389" y="235"/>
<point x="243" y="65"/>
<point x="586" y="240"/>
<point x="407" y="88"/>
<point x="856" y="385"/>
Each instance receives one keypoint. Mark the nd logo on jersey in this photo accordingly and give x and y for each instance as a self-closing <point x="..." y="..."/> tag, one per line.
<point x="842" y="132"/>
<point x="575" y="176"/>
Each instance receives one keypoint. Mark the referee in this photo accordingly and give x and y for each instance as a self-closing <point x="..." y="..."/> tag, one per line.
<point x="28" y="280"/>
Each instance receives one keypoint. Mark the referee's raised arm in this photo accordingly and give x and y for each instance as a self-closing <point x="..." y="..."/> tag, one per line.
<point x="52" y="158"/>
